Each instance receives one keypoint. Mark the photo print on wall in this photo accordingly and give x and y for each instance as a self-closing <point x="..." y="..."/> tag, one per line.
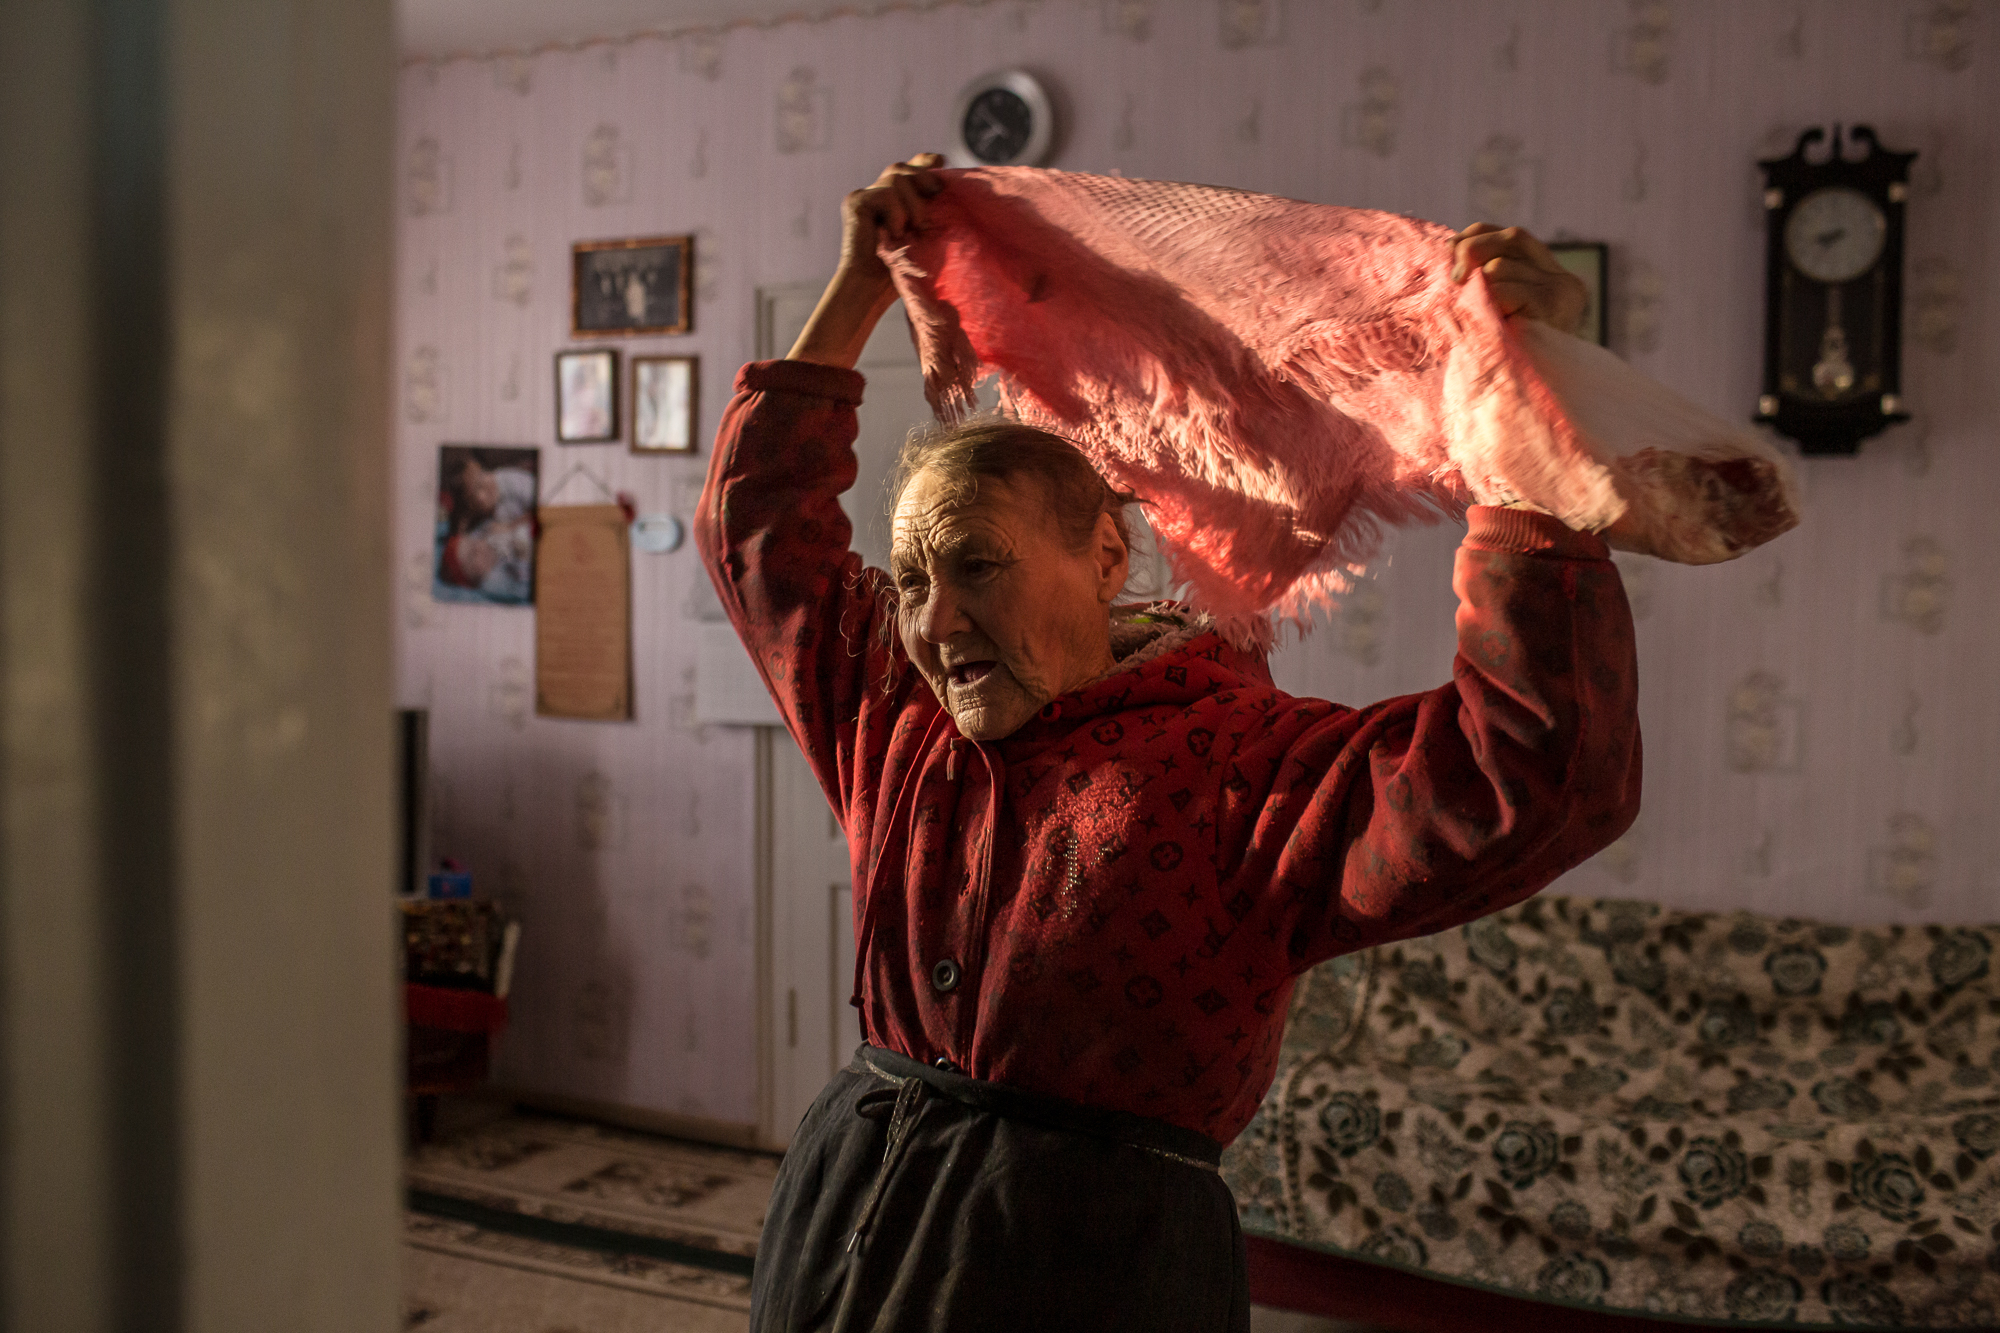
<point x="484" y="547"/>
<point x="636" y="286"/>
<point x="587" y="396"/>
<point x="663" y="404"/>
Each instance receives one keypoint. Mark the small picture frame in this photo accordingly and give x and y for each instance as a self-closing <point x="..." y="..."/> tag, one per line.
<point x="637" y="286"/>
<point x="587" y="396"/>
<point x="483" y="547"/>
<point x="664" y="389"/>
<point x="1591" y="261"/>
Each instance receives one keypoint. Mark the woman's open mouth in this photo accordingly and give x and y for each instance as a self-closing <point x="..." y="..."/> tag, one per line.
<point x="970" y="673"/>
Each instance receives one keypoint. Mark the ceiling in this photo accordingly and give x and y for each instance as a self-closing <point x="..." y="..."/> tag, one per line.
<point x="434" y="28"/>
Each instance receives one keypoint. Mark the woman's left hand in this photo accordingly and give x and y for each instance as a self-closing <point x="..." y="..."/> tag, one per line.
<point x="1523" y="276"/>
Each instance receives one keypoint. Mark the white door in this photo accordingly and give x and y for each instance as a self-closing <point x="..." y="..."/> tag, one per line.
<point x="810" y="1029"/>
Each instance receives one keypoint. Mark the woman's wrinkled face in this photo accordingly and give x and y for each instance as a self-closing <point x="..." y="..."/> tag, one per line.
<point x="998" y="612"/>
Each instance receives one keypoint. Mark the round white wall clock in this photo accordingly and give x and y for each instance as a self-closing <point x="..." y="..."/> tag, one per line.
<point x="1003" y="119"/>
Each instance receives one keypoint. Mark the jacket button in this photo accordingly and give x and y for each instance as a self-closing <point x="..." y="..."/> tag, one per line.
<point x="945" y="975"/>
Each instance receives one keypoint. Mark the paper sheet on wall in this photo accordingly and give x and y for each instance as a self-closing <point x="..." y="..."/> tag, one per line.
<point x="583" y="614"/>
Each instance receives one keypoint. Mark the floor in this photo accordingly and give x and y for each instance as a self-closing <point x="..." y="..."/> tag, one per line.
<point x="525" y="1223"/>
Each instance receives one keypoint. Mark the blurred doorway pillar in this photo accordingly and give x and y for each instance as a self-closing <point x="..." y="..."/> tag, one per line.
<point x="197" y="1023"/>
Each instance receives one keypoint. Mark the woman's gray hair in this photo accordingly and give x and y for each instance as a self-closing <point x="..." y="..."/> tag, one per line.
<point x="992" y="446"/>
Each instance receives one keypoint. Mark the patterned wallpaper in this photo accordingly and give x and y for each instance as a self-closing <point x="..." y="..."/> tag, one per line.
<point x="1818" y="715"/>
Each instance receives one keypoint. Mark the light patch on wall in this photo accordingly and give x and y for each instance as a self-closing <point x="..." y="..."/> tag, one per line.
<point x="899" y="108"/>
<point x="1905" y="868"/>
<point x="1941" y="34"/>
<point x="701" y="53"/>
<point x="683" y="715"/>
<point x="1904" y="737"/>
<point x="1919" y="595"/>
<point x="427" y="178"/>
<point x="1763" y="731"/>
<point x="1242" y="23"/>
<point x="1769" y="591"/>
<point x="600" y="813"/>
<point x="698" y="161"/>
<point x="423" y="385"/>
<point x="1129" y="18"/>
<point x="1125" y="134"/>
<point x="511" y="178"/>
<point x="1758" y="858"/>
<point x="514" y="276"/>
<point x="601" y="1021"/>
<point x="1635" y="186"/>
<point x="1642" y="307"/>
<point x="510" y="387"/>
<point x="1371" y="122"/>
<point x="1792" y="41"/>
<point x="1644" y="48"/>
<point x="510" y="694"/>
<point x="515" y="73"/>
<point x="707" y="262"/>
<point x="607" y="167"/>
<point x="1505" y="183"/>
<point x="694" y="922"/>
<point x="427" y="281"/>
<point x="1934" y="304"/>
<point x="804" y="112"/>
<point x="417" y="589"/>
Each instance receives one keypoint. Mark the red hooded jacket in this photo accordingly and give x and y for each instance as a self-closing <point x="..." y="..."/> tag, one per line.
<point x="1111" y="905"/>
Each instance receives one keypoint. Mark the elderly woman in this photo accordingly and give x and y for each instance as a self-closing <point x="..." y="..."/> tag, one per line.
<point x="1093" y="845"/>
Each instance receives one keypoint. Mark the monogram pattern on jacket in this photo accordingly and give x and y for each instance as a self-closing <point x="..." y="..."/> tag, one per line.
<point x="1129" y="884"/>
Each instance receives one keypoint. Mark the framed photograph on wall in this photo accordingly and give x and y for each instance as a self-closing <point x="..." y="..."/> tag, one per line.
<point x="484" y="547"/>
<point x="1591" y="261"/>
<point x="636" y="286"/>
<point x="587" y="396"/>
<point x="663" y="404"/>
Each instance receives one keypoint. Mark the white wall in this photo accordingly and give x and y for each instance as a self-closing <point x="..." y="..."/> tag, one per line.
<point x="1636" y="124"/>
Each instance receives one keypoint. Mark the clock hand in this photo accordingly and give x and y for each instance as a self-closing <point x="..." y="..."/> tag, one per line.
<point x="1827" y="238"/>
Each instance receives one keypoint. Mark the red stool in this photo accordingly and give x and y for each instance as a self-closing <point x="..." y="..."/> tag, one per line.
<point x="450" y="1041"/>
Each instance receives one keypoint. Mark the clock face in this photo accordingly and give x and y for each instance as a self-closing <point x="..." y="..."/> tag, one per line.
<point x="998" y="125"/>
<point x="1835" y="234"/>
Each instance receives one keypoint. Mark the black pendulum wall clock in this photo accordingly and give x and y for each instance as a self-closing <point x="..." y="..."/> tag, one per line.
<point x="1833" y="292"/>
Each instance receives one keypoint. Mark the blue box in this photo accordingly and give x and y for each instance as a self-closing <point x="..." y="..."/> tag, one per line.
<point x="451" y="884"/>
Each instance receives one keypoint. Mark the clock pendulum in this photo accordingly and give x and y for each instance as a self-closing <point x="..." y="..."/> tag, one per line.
<point x="1833" y="292"/>
<point x="1833" y="373"/>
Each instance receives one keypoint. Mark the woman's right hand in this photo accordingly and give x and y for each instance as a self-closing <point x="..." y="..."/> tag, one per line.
<point x="895" y="206"/>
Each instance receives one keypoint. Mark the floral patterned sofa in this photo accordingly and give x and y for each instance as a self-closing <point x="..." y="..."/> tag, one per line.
<point x="1632" y="1110"/>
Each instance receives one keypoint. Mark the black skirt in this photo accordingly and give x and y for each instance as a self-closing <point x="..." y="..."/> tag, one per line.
<point x="916" y="1200"/>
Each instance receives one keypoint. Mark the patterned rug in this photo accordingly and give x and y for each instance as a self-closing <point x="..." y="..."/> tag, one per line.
<point x="462" y="1278"/>
<point x="523" y="1223"/>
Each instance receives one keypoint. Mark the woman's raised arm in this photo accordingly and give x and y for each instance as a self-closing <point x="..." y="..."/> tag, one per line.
<point x="895" y="205"/>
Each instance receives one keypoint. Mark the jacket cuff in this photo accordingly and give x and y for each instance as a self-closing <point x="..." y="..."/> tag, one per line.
<point x="1526" y="532"/>
<point x="806" y="377"/>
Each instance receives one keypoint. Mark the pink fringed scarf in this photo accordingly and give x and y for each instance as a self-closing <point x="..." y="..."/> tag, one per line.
<point x="1277" y="379"/>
